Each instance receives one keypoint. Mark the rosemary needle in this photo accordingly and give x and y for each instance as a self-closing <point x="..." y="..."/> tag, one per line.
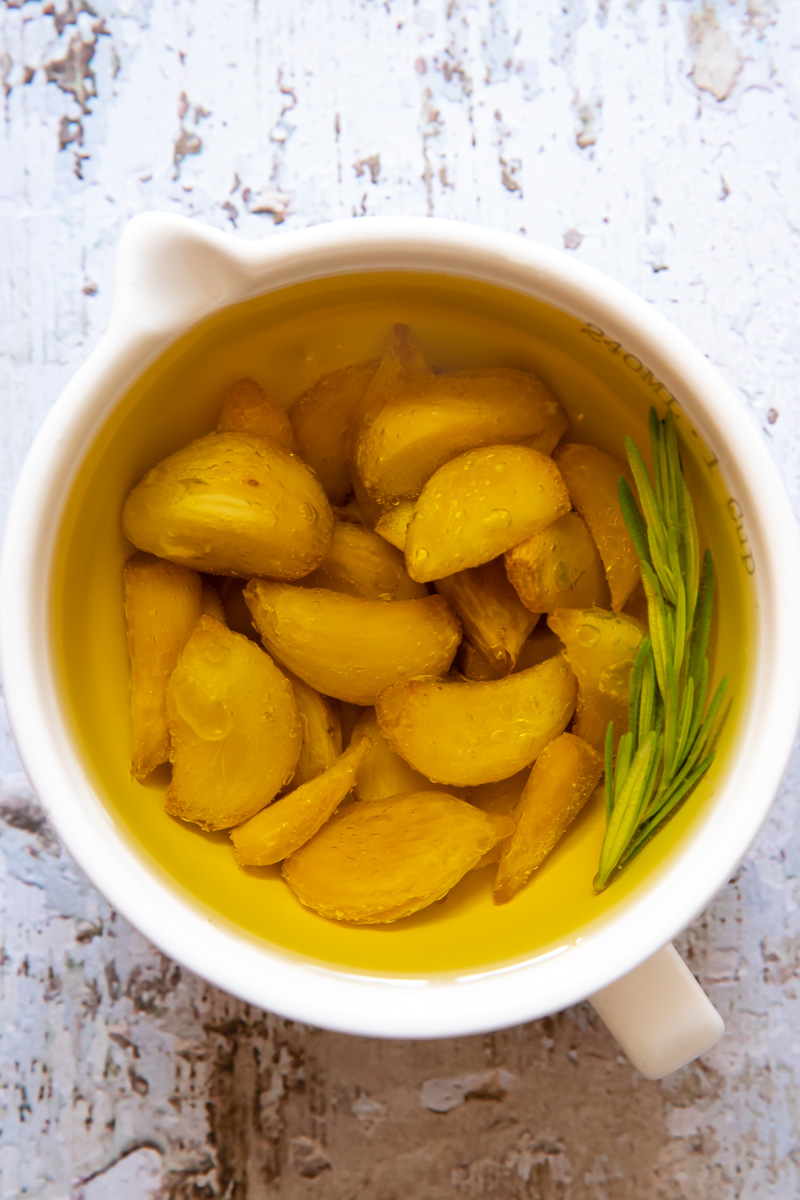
<point x="671" y="734"/>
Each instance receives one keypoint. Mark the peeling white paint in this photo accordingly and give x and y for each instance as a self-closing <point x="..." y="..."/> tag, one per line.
<point x="717" y="61"/>
<point x="655" y="141"/>
<point x="135" y="1176"/>
<point x="443" y="1095"/>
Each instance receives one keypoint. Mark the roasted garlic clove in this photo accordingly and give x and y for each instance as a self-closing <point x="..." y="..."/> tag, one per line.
<point x="562" y="779"/>
<point x="559" y="567"/>
<point x="384" y="860"/>
<point x="248" y="408"/>
<point x="400" y="362"/>
<point x="286" y="825"/>
<point x="361" y="563"/>
<point x="500" y="798"/>
<point x="460" y="732"/>
<point x="592" y="479"/>
<point x="232" y="504"/>
<point x="234" y="728"/>
<point x="321" y="724"/>
<point x="393" y="521"/>
<point x="381" y="772"/>
<point x="320" y="420"/>
<point x="601" y="648"/>
<point x="429" y="419"/>
<point x="541" y="645"/>
<point x="163" y="603"/>
<point x="479" y="505"/>
<point x="494" y="618"/>
<point x="473" y="664"/>
<point x="350" y="647"/>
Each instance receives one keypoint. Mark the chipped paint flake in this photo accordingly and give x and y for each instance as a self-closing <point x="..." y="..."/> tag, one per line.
<point x="72" y="71"/>
<point x="372" y="164"/>
<point x="308" y="1157"/>
<point x="717" y="62"/>
<point x="443" y="1095"/>
<point x="589" y="112"/>
<point x="268" y="201"/>
<point x="187" y="142"/>
<point x="370" y="1112"/>
<point x="137" y="1175"/>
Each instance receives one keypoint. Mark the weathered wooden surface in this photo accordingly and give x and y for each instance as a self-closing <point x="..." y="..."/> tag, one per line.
<point x="654" y="140"/>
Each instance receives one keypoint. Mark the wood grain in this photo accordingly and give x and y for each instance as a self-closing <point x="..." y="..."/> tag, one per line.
<point x="656" y="141"/>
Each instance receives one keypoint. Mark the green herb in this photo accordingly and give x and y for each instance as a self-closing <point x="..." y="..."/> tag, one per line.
<point x="671" y="734"/>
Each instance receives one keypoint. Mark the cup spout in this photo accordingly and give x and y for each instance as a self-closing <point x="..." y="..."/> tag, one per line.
<point x="170" y="272"/>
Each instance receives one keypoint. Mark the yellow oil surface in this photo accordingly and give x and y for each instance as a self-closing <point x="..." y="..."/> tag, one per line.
<point x="286" y="339"/>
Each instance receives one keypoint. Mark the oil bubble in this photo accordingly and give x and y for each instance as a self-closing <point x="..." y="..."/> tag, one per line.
<point x="173" y="547"/>
<point x="562" y="576"/>
<point x="210" y="719"/>
<point x="215" y="652"/>
<point x="498" y="518"/>
<point x="614" y="681"/>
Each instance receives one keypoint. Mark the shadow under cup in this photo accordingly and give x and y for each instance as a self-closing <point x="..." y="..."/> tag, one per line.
<point x="287" y="339"/>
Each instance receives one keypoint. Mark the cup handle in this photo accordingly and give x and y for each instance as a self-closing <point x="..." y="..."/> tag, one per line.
<point x="659" y="1014"/>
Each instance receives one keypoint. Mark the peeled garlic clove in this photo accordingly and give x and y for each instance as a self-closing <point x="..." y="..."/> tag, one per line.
<point x="494" y="618"/>
<point x="286" y="825"/>
<point x="248" y="408"/>
<point x="592" y="479"/>
<point x="601" y="648"/>
<point x="232" y="504"/>
<point x="428" y="419"/>
<point x="558" y="568"/>
<point x="383" y="860"/>
<point x="163" y="603"/>
<point x="234" y="728"/>
<point x="562" y="779"/>
<point x="361" y="563"/>
<point x="350" y="647"/>
<point x="462" y="732"/>
<point x="479" y="505"/>
<point x="320" y="420"/>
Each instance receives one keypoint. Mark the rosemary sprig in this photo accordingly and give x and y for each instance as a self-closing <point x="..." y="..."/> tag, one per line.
<point x="671" y="734"/>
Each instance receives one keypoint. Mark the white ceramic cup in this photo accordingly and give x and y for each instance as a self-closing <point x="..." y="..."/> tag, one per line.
<point x="170" y="273"/>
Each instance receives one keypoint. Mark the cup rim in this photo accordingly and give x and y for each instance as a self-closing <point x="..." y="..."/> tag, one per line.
<point x="383" y="1005"/>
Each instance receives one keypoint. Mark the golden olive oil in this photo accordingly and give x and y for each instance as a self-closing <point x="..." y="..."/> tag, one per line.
<point x="286" y="340"/>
